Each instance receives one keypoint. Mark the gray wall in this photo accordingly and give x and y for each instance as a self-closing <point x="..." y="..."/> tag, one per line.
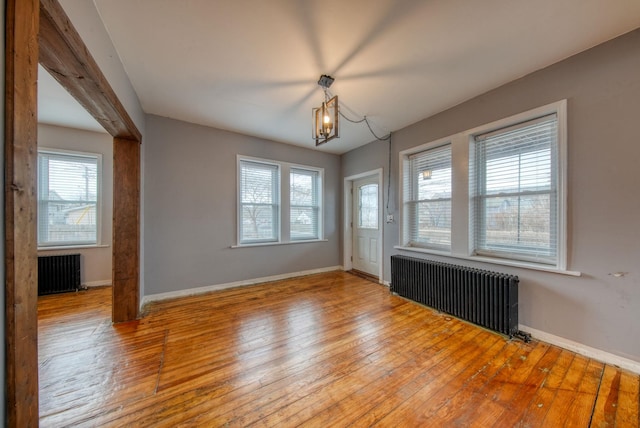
<point x="96" y="262"/>
<point x="602" y="87"/>
<point x="190" y="209"/>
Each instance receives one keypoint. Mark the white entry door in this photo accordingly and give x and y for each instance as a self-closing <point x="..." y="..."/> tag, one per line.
<point x="366" y="226"/>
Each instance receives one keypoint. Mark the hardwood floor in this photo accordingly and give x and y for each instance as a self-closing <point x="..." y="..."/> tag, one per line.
<point x="324" y="350"/>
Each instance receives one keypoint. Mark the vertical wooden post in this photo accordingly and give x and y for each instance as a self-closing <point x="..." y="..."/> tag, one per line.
<point x="126" y="228"/>
<point x="21" y="268"/>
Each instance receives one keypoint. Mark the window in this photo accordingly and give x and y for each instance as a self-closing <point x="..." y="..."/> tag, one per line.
<point x="304" y="204"/>
<point x="259" y="202"/>
<point x="278" y="202"/>
<point x="427" y="199"/>
<point x="495" y="193"/>
<point x="514" y="191"/>
<point x="68" y="198"/>
<point x="368" y="206"/>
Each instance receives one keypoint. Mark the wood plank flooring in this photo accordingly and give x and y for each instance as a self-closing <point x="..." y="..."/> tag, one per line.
<point x="325" y="350"/>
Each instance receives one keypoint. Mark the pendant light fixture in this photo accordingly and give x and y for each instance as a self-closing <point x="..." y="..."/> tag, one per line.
<point x="325" y="117"/>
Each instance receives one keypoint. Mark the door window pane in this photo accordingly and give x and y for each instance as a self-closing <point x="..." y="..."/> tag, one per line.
<point x="368" y="206"/>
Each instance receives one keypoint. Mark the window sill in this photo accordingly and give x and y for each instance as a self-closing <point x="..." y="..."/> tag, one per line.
<point x="503" y="262"/>
<point x="72" y="247"/>
<point x="270" y="244"/>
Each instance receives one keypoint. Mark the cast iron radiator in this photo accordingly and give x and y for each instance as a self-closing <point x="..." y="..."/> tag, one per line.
<point x="489" y="299"/>
<point x="58" y="274"/>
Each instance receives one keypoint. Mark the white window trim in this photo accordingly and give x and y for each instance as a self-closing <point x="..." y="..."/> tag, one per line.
<point x="74" y="245"/>
<point x="405" y="166"/>
<point x="278" y="222"/>
<point x="284" y="169"/>
<point x="320" y="183"/>
<point x="461" y="242"/>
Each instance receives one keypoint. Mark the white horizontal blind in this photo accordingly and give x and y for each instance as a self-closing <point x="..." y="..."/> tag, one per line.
<point x="427" y="199"/>
<point x="259" y="202"/>
<point x="304" y="196"/>
<point x="68" y="186"/>
<point x="514" y="180"/>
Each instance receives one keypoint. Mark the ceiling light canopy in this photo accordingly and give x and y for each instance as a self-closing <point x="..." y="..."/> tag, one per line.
<point x="325" y="117"/>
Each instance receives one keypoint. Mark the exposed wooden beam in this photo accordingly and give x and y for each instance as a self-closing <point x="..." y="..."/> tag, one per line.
<point x="21" y="268"/>
<point x="28" y="24"/>
<point x="65" y="56"/>
<point x="126" y="229"/>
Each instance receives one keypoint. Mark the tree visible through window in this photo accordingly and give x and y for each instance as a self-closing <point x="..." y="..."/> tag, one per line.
<point x="259" y="202"/>
<point x="278" y="202"/>
<point x="67" y="198"/>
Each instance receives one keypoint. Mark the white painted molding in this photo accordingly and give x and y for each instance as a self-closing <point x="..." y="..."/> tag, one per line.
<point x="587" y="351"/>
<point x="206" y="289"/>
<point x="101" y="283"/>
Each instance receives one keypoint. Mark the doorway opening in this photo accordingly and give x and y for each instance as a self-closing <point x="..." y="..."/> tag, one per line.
<point x="363" y="224"/>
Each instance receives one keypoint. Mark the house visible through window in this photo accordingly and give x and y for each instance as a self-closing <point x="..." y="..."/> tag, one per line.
<point x="68" y="198"/>
<point x="278" y="202"/>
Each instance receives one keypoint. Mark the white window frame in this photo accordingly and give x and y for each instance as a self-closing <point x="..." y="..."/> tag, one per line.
<point x="73" y="244"/>
<point x="284" y="203"/>
<point x="410" y="196"/>
<point x="319" y="180"/>
<point x="276" y="204"/>
<point x="462" y="241"/>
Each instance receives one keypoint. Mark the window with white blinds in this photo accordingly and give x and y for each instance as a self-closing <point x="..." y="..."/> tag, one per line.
<point x="514" y="191"/>
<point x="304" y="196"/>
<point x="278" y="202"/>
<point x="495" y="193"/>
<point x="259" y="210"/>
<point x="427" y="199"/>
<point x="68" y="198"/>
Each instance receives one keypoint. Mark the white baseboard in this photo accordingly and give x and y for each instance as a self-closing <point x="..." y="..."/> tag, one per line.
<point x="216" y="287"/>
<point x="97" y="283"/>
<point x="587" y="351"/>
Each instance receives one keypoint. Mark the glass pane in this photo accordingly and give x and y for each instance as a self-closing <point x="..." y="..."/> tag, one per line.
<point x="304" y="222"/>
<point x="258" y="223"/>
<point x="259" y="199"/>
<point x="428" y="199"/>
<point x="304" y="197"/>
<point x="519" y="221"/>
<point x="257" y="183"/>
<point x="67" y="199"/>
<point x="519" y="173"/>
<point x="368" y="203"/>
<point x="515" y="184"/>
<point x="434" y="223"/>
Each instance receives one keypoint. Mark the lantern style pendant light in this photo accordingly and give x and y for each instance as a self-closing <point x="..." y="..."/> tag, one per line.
<point x="325" y="117"/>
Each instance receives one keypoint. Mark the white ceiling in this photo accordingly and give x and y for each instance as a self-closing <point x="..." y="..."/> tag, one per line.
<point x="252" y="66"/>
<point x="57" y="107"/>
